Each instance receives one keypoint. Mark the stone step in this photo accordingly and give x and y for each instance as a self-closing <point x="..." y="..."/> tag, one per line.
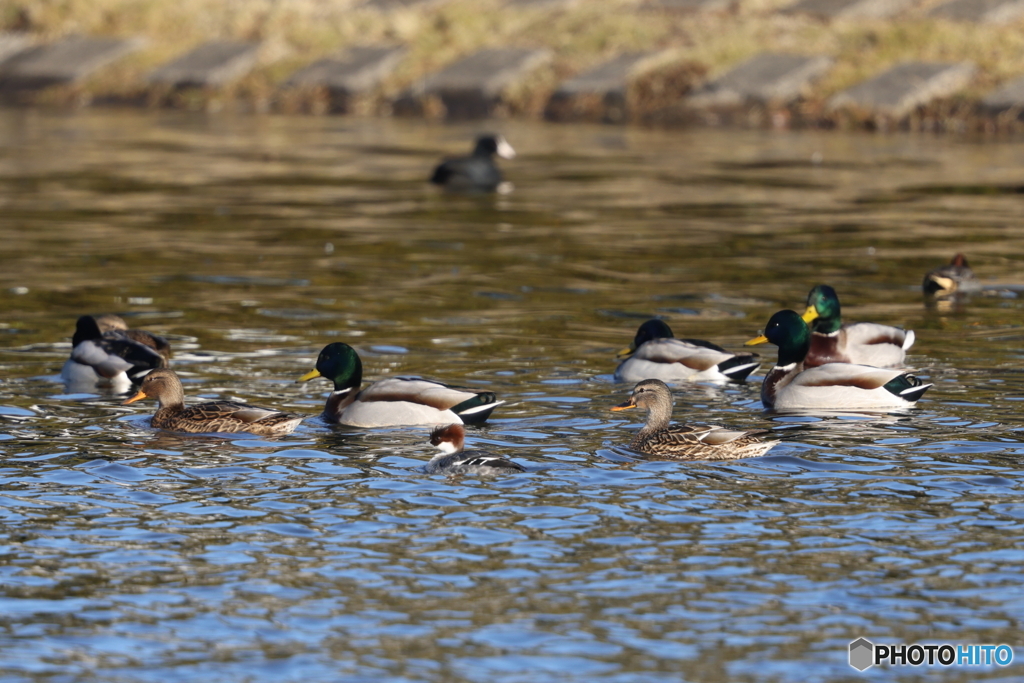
<point x="473" y="86"/>
<point x="849" y="9"/>
<point x="600" y="93"/>
<point x="1008" y="96"/>
<point x="765" y="78"/>
<point x="899" y="90"/>
<point x="356" y="71"/>
<point x="980" y="11"/>
<point x="690" y="5"/>
<point x="394" y="5"/>
<point x="211" y="65"/>
<point x="65" y="61"/>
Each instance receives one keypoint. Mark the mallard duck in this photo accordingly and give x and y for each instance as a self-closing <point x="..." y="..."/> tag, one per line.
<point x="656" y="354"/>
<point x="450" y="439"/>
<point x="956" y="277"/>
<point x="394" y="401"/>
<point x="108" y="322"/>
<point x="833" y="386"/>
<point x="686" y="442"/>
<point x="477" y="172"/>
<point x="217" y="416"/>
<point x="107" y="357"/>
<point x="880" y="346"/>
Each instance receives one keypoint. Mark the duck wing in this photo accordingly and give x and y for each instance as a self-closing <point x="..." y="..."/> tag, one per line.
<point x="873" y="334"/>
<point x="671" y="359"/>
<point x="227" y="416"/>
<point x="847" y="386"/>
<point x="467" y="173"/>
<point x="705" y="442"/>
<point x="412" y="400"/>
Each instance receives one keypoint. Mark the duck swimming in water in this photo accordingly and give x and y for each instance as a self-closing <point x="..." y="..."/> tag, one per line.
<point x="394" y="401"/>
<point x="450" y="440"/>
<point x="881" y="346"/>
<point x="217" y="416"/>
<point x="791" y="385"/>
<point x="956" y="277"/>
<point x="656" y="354"/>
<point x="477" y="172"/>
<point x="686" y="442"/>
<point x="107" y="355"/>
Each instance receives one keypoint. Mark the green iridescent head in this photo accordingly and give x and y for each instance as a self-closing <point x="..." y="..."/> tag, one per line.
<point x="788" y="331"/>
<point x="339" y="363"/>
<point x="822" y="312"/>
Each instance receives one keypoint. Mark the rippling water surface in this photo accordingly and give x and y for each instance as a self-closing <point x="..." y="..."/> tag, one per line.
<point x="129" y="554"/>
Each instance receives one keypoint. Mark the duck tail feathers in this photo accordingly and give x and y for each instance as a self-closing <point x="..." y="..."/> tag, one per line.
<point x="907" y="387"/>
<point x="738" y="367"/>
<point x="908" y="340"/>
<point x="477" y="409"/>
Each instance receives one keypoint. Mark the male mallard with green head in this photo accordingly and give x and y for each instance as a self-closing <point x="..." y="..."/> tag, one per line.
<point x="395" y="401"/>
<point x="881" y="346"/>
<point x="833" y="386"/>
<point x="217" y="416"/>
<point x="685" y="442"/>
<point x="656" y="354"/>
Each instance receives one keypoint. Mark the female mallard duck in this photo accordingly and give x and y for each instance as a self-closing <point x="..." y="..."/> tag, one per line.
<point x="218" y="416"/>
<point x="685" y="442"/>
<point x="656" y="354"/>
<point x="881" y="346"/>
<point x="833" y="386"/>
<point x="450" y="440"/>
<point x="477" y="172"/>
<point x="956" y="277"/>
<point x="394" y="401"/>
<point x="107" y="355"/>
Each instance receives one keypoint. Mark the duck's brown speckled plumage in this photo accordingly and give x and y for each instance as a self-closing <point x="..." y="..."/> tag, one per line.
<point x="686" y="442"/>
<point x="215" y="416"/>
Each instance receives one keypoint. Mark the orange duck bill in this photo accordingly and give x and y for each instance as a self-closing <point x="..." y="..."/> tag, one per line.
<point x="625" y="406"/>
<point x="137" y="397"/>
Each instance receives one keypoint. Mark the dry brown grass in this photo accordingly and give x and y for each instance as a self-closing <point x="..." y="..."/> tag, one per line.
<point x="297" y="32"/>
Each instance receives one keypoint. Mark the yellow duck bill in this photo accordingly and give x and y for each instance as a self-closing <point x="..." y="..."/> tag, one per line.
<point x="312" y="374"/>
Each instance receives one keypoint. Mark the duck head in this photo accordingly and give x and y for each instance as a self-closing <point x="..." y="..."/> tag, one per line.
<point x="652" y="329"/>
<point x="339" y="363"/>
<point x="788" y="331"/>
<point x="448" y="438"/>
<point x="648" y="394"/>
<point x="163" y="385"/>
<point x="489" y="145"/>
<point x="86" y="329"/>
<point x="822" y="312"/>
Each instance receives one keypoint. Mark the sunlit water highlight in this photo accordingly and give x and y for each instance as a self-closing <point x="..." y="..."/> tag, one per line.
<point x="128" y="554"/>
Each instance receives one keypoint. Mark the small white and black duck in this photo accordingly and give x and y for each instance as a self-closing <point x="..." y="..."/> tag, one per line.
<point x="216" y="416"/>
<point x="954" y="278"/>
<point x="477" y="172"/>
<point x="790" y="385"/>
<point x="108" y="356"/>
<point x="686" y="442"/>
<point x="656" y="354"/>
<point x="450" y="440"/>
<point x="394" y="401"/>
<point x="881" y="346"/>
